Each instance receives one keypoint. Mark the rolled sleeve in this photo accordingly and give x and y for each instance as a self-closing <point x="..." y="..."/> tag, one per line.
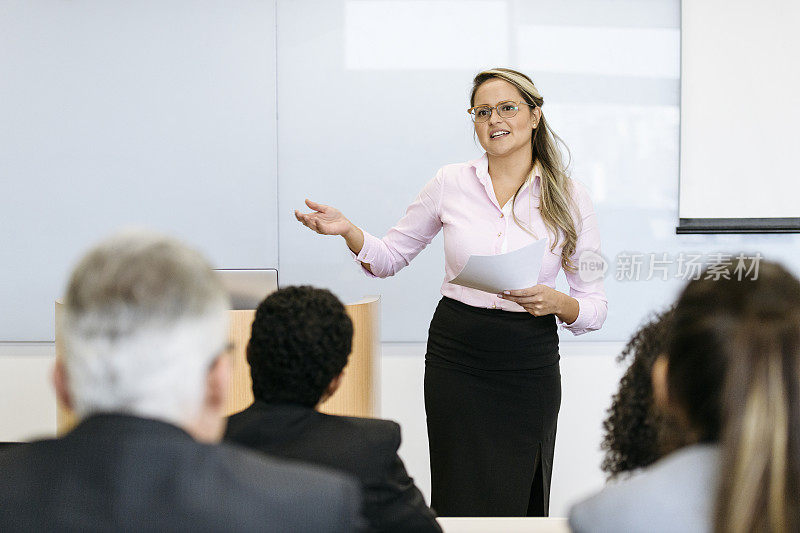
<point x="586" y="286"/>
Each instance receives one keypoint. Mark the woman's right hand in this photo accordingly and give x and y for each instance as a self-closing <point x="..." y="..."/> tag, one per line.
<point x="325" y="220"/>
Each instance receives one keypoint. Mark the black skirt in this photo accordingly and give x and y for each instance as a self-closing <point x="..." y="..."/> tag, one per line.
<point x="492" y="395"/>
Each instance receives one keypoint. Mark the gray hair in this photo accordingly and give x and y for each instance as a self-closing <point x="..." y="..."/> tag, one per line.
<point x="144" y="319"/>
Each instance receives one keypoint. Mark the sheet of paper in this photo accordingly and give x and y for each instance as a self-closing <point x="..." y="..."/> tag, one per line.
<point x="495" y="273"/>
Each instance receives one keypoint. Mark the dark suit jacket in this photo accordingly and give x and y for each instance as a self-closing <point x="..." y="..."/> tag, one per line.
<point x="122" y="473"/>
<point x="363" y="447"/>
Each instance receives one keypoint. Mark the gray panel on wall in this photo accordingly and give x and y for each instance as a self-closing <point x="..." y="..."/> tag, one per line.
<point x="147" y="113"/>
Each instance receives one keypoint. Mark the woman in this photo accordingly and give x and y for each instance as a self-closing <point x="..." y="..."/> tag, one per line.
<point x="730" y="375"/>
<point x="492" y="379"/>
<point x="637" y="434"/>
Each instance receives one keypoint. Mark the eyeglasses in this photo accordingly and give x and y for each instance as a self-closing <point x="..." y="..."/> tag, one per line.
<point x="507" y="109"/>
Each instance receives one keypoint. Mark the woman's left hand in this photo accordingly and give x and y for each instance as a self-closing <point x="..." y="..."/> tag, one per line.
<point x="541" y="300"/>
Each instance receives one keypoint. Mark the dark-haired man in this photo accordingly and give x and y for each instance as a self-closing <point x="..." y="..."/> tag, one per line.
<point x="299" y="346"/>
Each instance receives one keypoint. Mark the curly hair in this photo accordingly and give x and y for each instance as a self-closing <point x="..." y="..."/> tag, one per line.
<point x="300" y="342"/>
<point x="635" y="434"/>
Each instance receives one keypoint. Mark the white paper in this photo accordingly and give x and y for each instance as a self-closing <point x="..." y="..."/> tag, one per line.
<point x="510" y="271"/>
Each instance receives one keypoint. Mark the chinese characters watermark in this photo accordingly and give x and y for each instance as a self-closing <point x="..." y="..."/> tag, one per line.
<point x="636" y="266"/>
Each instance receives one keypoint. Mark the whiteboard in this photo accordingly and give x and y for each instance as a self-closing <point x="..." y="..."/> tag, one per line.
<point x="363" y="128"/>
<point x="213" y="121"/>
<point x="117" y="113"/>
<point x="740" y="106"/>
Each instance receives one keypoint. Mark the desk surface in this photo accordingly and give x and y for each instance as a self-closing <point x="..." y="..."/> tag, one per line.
<point x="503" y="524"/>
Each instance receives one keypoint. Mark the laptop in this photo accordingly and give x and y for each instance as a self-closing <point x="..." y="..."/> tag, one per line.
<point x="248" y="287"/>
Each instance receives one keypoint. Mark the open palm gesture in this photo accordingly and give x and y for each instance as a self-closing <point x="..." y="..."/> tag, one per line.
<point x="325" y="220"/>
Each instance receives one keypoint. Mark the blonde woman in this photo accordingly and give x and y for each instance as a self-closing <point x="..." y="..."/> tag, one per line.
<point x="730" y="376"/>
<point x="492" y="378"/>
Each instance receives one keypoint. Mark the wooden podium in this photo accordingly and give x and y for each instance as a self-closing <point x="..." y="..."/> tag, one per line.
<point x="357" y="395"/>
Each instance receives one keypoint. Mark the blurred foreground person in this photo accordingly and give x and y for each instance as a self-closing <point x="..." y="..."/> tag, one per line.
<point x="298" y="349"/>
<point x="636" y="433"/>
<point x="146" y="372"/>
<point x="731" y="375"/>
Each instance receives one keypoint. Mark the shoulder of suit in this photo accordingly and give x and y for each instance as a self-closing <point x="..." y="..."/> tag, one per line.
<point x="18" y="455"/>
<point x="239" y="418"/>
<point x="256" y="468"/>
<point x="377" y="431"/>
<point x="11" y="456"/>
<point x="261" y="487"/>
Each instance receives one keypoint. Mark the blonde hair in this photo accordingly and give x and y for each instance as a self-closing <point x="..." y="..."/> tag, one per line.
<point x="734" y="361"/>
<point x="556" y="205"/>
<point x="759" y="486"/>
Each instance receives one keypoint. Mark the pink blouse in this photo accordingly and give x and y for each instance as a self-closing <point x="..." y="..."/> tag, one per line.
<point x="460" y="199"/>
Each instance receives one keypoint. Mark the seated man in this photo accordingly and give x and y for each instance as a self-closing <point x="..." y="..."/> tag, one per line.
<point x="299" y="346"/>
<point x="145" y="370"/>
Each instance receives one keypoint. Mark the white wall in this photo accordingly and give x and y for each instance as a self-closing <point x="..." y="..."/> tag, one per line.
<point x="589" y="377"/>
<point x="117" y="113"/>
